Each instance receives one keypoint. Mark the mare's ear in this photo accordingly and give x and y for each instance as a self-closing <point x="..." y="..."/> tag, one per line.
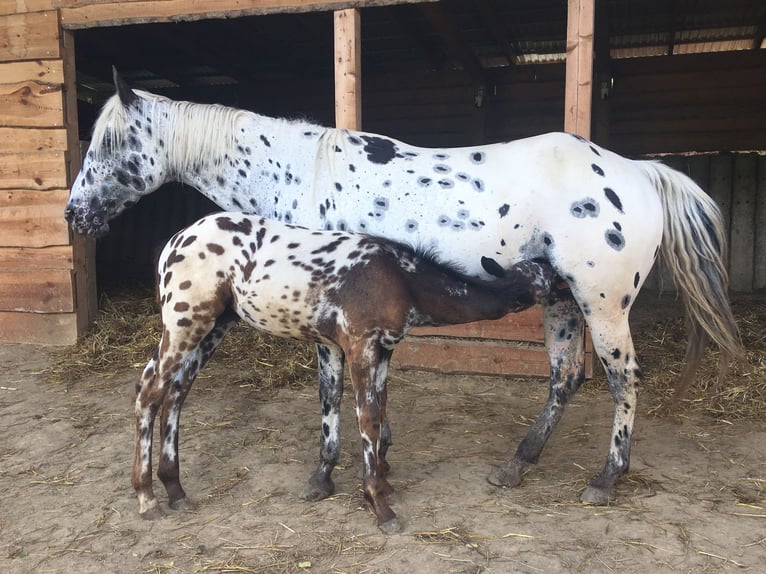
<point x="127" y="96"/>
<point x="492" y="267"/>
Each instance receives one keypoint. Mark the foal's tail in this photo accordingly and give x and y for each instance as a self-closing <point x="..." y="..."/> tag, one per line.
<point x="694" y="248"/>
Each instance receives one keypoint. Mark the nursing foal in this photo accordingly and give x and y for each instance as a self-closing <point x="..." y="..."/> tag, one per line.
<point x="351" y="292"/>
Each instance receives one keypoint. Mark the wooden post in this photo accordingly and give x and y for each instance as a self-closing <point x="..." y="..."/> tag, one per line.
<point x="348" y="68"/>
<point x="579" y="67"/>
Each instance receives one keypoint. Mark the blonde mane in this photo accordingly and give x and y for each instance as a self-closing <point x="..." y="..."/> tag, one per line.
<point x="194" y="133"/>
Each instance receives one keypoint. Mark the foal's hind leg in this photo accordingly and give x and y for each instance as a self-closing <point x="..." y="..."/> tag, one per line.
<point x="331" y="360"/>
<point x="564" y="339"/>
<point x="613" y="344"/>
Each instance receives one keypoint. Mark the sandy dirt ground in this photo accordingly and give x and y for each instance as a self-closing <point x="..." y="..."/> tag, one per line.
<point x="693" y="500"/>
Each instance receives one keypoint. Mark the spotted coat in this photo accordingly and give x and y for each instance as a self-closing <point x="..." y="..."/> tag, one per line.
<point x="601" y="220"/>
<point x="354" y="294"/>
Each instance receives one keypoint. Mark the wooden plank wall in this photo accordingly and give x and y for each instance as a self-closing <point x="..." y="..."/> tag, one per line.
<point x="694" y="102"/>
<point x="737" y="182"/>
<point x="37" y="294"/>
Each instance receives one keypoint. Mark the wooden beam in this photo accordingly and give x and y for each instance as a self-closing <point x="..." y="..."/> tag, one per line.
<point x="33" y="218"/>
<point x="83" y="247"/>
<point x="47" y="71"/>
<point x="348" y="69"/>
<point x="97" y="13"/>
<point x="33" y="36"/>
<point x="38" y="328"/>
<point x="579" y="67"/>
<point x="31" y="104"/>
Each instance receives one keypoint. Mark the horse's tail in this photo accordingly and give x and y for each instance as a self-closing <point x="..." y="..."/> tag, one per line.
<point x="694" y="248"/>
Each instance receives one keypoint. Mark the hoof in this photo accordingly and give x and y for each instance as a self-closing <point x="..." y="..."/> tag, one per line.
<point x="315" y="492"/>
<point x="153" y="513"/>
<point x="392" y="526"/>
<point x="508" y="476"/>
<point x="597" y="496"/>
<point x="181" y="504"/>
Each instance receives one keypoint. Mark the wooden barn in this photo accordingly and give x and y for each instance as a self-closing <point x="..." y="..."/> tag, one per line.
<point x="682" y="78"/>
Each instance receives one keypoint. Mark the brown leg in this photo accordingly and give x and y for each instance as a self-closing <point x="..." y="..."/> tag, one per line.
<point x="368" y="376"/>
<point x="192" y="362"/>
<point x="150" y="393"/>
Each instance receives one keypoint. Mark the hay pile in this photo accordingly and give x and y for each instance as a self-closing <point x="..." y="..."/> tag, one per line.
<point x="660" y="348"/>
<point x="128" y="329"/>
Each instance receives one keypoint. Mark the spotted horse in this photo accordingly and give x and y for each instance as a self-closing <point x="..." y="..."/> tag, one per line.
<point x="354" y="294"/>
<point x="600" y="219"/>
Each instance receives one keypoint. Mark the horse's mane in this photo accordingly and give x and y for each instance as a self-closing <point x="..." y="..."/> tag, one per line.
<point x="198" y="132"/>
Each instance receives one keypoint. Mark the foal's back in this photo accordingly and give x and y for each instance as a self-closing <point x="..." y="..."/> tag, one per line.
<point x="286" y="280"/>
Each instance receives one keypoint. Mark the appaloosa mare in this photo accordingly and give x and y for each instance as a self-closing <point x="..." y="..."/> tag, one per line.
<point x="600" y="220"/>
<point x="355" y="294"/>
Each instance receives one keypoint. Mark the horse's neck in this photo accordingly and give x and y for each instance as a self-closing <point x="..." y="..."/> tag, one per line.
<point x="263" y="146"/>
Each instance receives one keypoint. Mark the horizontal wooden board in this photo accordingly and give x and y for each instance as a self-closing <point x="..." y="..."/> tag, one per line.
<point x="33" y="171"/>
<point x="22" y="7"/>
<point x="15" y="140"/>
<point x="86" y="14"/>
<point x="48" y="291"/>
<point x="47" y="71"/>
<point x="525" y="326"/>
<point x="29" y="104"/>
<point x="38" y="328"/>
<point x="33" y="219"/>
<point x="466" y="356"/>
<point x="26" y="258"/>
<point x="30" y="36"/>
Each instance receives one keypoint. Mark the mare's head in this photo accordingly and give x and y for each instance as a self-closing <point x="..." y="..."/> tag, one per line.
<point x="124" y="162"/>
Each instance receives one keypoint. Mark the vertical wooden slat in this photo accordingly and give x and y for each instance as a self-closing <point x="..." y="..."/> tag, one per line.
<point x="759" y="279"/>
<point x="348" y="68"/>
<point x="720" y="188"/>
<point x="579" y="67"/>
<point x="83" y="248"/>
<point x="743" y="213"/>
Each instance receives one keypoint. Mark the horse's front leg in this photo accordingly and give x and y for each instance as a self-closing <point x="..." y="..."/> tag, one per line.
<point x="331" y="361"/>
<point x="564" y="340"/>
<point x="150" y="393"/>
<point x="368" y="376"/>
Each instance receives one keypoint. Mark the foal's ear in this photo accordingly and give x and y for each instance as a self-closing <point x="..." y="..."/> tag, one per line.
<point x="492" y="267"/>
<point x="127" y="96"/>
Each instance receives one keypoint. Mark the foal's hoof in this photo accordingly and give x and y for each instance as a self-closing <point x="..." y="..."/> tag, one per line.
<point x="597" y="496"/>
<point x="392" y="526"/>
<point x="181" y="504"/>
<point x="507" y="475"/>
<point x="314" y="491"/>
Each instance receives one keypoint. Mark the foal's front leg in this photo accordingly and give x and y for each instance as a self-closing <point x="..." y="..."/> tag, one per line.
<point x="150" y="392"/>
<point x="189" y="368"/>
<point x="331" y="360"/>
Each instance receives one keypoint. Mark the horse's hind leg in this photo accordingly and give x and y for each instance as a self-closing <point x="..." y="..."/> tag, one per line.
<point x="613" y="344"/>
<point x="195" y="358"/>
<point x="564" y="339"/>
<point x="331" y="361"/>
